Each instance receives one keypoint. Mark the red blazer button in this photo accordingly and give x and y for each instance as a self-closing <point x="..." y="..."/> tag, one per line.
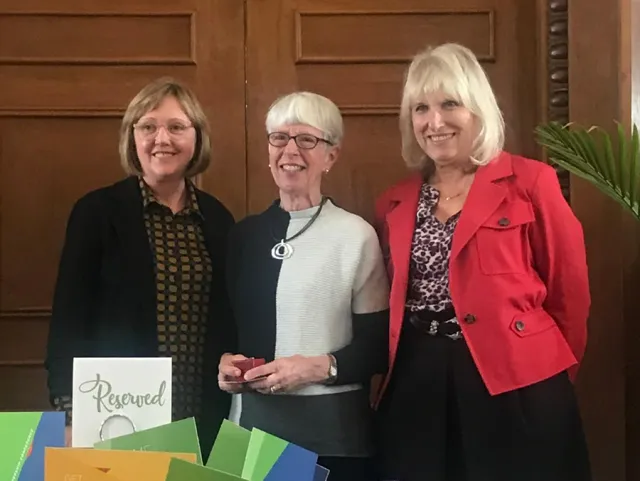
<point x="519" y="326"/>
<point x="469" y="318"/>
<point x="504" y="222"/>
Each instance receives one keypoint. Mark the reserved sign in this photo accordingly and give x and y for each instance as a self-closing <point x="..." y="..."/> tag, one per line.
<point x="117" y="396"/>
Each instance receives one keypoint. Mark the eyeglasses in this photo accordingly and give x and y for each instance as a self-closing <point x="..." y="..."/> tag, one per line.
<point x="304" y="141"/>
<point x="150" y="129"/>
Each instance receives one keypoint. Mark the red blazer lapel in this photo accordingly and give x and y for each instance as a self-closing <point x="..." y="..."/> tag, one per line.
<point x="485" y="195"/>
<point x="401" y="222"/>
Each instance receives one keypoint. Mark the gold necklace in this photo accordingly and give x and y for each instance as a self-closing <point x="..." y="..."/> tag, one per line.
<point x="465" y="189"/>
<point x="453" y="196"/>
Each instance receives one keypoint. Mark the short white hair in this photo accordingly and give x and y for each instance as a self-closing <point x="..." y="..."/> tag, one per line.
<point x="454" y="70"/>
<point x="307" y="108"/>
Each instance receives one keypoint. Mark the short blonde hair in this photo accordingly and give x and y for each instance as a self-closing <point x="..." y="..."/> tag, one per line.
<point x="148" y="99"/>
<point x="310" y="109"/>
<point x="454" y="70"/>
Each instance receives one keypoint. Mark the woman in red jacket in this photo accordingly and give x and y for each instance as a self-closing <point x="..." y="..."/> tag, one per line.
<point x="489" y="297"/>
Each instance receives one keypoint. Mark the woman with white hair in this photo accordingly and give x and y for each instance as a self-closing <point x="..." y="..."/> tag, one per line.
<point x="489" y="294"/>
<point x="310" y="296"/>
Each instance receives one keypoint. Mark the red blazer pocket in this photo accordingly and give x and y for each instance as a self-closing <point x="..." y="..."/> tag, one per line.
<point x="502" y="240"/>
<point x="532" y="322"/>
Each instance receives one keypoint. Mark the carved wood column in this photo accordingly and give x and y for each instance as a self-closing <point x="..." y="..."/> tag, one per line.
<point x="557" y="81"/>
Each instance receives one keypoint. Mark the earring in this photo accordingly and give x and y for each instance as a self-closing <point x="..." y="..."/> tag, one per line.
<point x="326" y="171"/>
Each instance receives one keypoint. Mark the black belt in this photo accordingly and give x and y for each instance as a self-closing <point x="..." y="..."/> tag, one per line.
<point x="443" y="323"/>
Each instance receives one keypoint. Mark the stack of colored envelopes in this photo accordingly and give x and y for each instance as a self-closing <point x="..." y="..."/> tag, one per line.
<point x="172" y="453"/>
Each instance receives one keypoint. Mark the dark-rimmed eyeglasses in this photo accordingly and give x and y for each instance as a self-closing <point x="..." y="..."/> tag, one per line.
<point x="304" y="141"/>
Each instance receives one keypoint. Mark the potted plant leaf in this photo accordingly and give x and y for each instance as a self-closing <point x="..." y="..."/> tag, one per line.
<point x="613" y="166"/>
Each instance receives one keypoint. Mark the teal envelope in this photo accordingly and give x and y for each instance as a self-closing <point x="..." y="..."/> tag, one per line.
<point x="177" y="437"/>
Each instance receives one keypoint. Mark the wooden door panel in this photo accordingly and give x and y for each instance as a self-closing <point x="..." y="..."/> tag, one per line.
<point x="40" y="181"/>
<point x="349" y="90"/>
<point x="356" y="53"/>
<point x="83" y="90"/>
<point x="14" y="329"/>
<point x="24" y="387"/>
<point x="118" y="38"/>
<point x="386" y="35"/>
<point x="68" y="69"/>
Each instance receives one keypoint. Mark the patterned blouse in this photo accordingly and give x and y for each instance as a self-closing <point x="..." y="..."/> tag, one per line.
<point x="430" y="252"/>
<point x="183" y="279"/>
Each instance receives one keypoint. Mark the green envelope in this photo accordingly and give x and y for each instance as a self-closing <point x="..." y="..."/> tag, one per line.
<point x="24" y="436"/>
<point x="177" y="437"/>
<point x="230" y="449"/>
<point x="263" y="451"/>
<point x="180" y="470"/>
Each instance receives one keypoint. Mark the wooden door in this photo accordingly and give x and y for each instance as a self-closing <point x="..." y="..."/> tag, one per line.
<point x="67" y="71"/>
<point x="355" y="52"/>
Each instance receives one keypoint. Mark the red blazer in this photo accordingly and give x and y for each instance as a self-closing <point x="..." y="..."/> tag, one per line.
<point x="518" y="272"/>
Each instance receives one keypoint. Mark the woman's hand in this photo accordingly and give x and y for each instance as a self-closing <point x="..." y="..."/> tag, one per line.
<point x="289" y="373"/>
<point x="227" y="372"/>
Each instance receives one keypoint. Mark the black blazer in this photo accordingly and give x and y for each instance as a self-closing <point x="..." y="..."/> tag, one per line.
<point x="105" y="297"/>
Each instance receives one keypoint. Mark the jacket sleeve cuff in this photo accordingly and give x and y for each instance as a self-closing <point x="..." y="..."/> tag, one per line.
<point x="64" y="403"/>
<point x="367" y="354"/>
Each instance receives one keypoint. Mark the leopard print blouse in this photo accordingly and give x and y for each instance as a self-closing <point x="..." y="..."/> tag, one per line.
<point x="430" y="251"/>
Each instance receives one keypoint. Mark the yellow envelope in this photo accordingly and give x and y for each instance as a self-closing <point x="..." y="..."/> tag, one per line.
<point x="81" y="464"/>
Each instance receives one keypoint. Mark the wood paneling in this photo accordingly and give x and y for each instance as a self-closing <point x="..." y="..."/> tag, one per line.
<point x="372" y="36"/>
<point x="345" y="83"/>
<point x="123" y="39"/>
<point x="78" y="87"/>
<point x="35" y="223"/>
<point x="600" y="95"/>
<point x="24" y="387"/>
<point x="14" y="326"/>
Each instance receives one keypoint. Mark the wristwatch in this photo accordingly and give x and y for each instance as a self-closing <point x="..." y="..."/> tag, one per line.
<point x="332" y="374"/>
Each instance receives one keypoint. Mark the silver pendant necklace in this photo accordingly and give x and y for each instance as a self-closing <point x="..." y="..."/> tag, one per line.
<point x="283" y="250"/>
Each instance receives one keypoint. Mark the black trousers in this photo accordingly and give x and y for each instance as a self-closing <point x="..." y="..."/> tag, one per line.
<point x="348" y="469"/>
<point x="438" y="422"/>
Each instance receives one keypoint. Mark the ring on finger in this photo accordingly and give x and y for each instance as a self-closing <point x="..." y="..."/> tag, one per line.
<point x="273" y="389"/>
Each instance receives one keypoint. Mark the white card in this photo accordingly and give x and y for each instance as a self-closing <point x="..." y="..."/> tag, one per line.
<point x="119" y="395"/>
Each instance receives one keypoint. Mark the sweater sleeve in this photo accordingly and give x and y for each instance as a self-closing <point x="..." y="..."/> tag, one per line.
<point x="366" y="355"/>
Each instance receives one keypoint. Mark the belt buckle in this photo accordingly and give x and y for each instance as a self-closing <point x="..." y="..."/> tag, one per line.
<point x="433" y="328"/>
<point x="456" y="335"/>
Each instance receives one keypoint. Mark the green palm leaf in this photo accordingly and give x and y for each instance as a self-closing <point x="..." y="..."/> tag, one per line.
<point x="592" y="155"/>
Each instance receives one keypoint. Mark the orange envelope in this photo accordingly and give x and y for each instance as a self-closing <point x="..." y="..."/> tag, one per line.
<point x="80" y="464"/>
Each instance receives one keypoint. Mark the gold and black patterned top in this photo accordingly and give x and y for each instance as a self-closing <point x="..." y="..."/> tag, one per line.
<point x="183" y="281"/>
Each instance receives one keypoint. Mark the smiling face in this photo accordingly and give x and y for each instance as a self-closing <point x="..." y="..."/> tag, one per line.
<point x="296" y="170"/>
<point x="444" y="129"/>
<point x="165" y="141"/>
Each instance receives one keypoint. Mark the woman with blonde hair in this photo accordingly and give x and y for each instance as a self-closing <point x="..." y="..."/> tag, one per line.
<point x="489" y="294"/>
<point x="142" y="267"/>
